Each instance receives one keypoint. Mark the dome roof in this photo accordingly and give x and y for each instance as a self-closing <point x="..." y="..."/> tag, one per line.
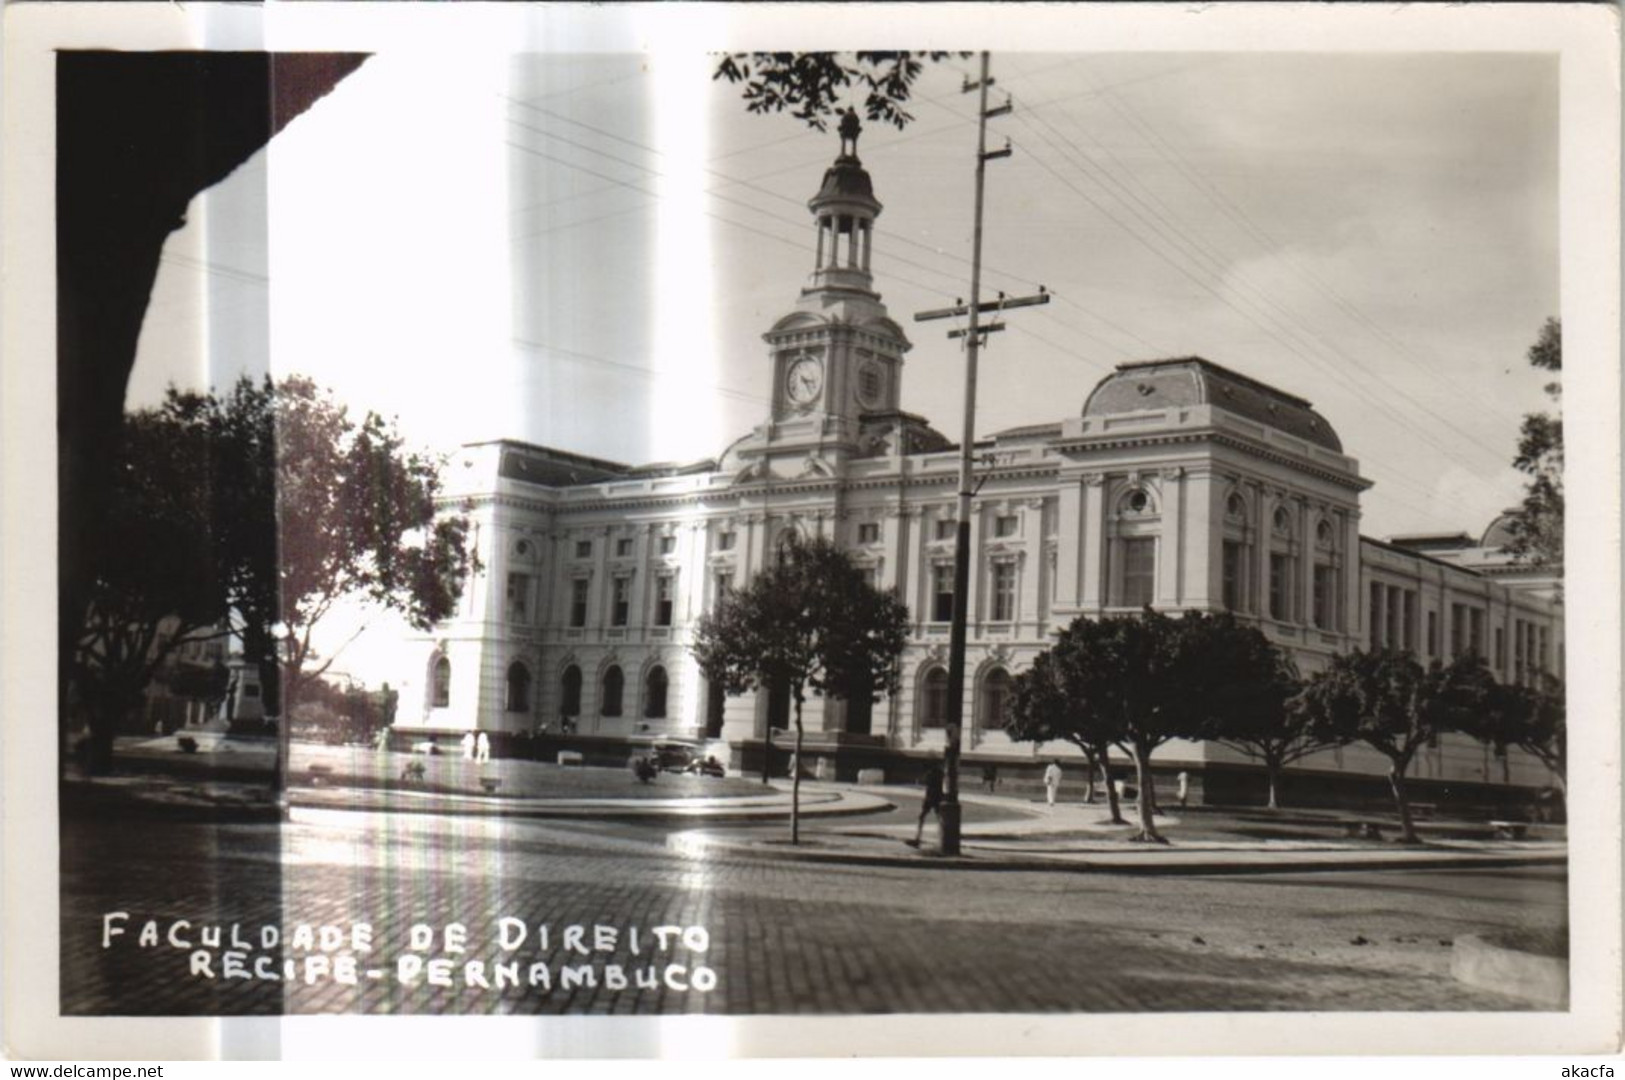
<point x="1191" y="380"/>
<point x="846" y="181"/>
<point x="1499" y="534"/>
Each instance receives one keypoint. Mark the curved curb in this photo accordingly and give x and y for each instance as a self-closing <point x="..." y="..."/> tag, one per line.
<point x="593" y="810"/>
<point x="1476" y="961"/>
<point x="695" y="844"/>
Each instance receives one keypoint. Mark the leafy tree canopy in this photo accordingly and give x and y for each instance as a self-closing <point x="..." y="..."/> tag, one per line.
<point x="810" y="621"/>
<point x="1387" y="700"/>
<point x="1537" y="524"/>
<point x="810" y="86"/>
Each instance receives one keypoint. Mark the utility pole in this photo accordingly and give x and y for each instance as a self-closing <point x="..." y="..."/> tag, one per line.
<point x="950" y="813"/>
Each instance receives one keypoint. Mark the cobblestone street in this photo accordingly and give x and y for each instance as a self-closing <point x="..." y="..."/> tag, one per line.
<point x="782" y="937"/>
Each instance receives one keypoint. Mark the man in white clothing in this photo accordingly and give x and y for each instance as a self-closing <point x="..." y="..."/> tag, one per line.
<point x="1052" y="781"/>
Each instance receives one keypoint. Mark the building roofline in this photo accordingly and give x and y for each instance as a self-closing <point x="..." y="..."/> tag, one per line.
<point x="1202" y="361"/>
<point x="555" y="453"/>
<point x="1413" y="553"/>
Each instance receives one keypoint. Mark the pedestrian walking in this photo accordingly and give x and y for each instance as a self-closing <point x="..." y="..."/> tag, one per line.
<point x="932" y="803"/>
<point x="1184" y="787"/>
<point x="468" y="745"/>
<point x="482" y="745"/>
<point x="990" y="777"/>
<point x="1052" y="781"/>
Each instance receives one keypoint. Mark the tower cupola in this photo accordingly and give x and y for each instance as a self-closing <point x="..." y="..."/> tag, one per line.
<point x="844" y="210"/>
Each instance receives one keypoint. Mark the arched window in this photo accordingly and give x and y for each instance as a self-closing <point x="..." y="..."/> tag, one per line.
<point x="441" y="696"/>
<point x="934" y="699"/>
<point x="518" y="687"/>
<point x="614" y="683"/>
<point x="654" y="693"/>
<point x="995" y="698"/>
<point x="570" y="692"/>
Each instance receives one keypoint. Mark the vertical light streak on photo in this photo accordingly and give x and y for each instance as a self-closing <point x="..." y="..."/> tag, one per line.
<point x="683" y="408"/>
<point x="389" y="255"/>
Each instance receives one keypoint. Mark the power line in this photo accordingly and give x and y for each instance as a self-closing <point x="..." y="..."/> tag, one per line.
<point x="1159" y="252"/>
<point x="1167" y="233"/>
<point x="753" y="186"/>
<point x="1268" y="243"/>
<point x="1284" y="315"/>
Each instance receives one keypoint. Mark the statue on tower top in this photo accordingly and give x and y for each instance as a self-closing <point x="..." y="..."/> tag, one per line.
<point x="849" y="130"/>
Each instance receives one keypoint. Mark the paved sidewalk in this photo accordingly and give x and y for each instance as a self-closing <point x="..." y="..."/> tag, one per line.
<point x="1080" y="837"/>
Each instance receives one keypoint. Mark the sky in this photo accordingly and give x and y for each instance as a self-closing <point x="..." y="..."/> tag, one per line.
<point x="584" y="251"/>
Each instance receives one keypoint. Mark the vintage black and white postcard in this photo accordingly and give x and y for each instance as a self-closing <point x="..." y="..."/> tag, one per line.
<point x="582" y="513"/>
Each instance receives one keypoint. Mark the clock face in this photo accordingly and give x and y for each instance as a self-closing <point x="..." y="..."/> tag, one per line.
<point x="804" y="381"/>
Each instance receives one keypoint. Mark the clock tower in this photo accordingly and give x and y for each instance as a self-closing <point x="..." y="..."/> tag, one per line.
<point x="838" y="356"/>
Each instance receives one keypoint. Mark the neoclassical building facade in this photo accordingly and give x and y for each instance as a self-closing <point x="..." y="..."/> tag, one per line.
<point x="1180" y="483"/>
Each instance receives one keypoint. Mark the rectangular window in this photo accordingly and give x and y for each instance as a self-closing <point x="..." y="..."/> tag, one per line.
<point x="1458" y="630"/>
<point x="578" y="601"/>
<point x="726" y="540"/>
<point x="1374" y="616"/>
<point x="583" y="549"/>
<point x="1232" y="575"/>
<point x="1391" y="636"/>
<point x="1408" y="623"/>
<point x="1139" y="571"/>
<point x="1475" y="630"/>
<point x="1541" y="663"/>
<point x="868" y="532"/>
<point x="1280" y="586"/>
<point x="668" y="544"/>
<point x="1004" y="592"/>
<point x="623" y="548"/>
<point x="1004" y="525"/>
<point x="620" y="600"/>
<point x="947" y="529"/>
<point x="942" y="592"/>
<point x="1325" y="590"/>
<point x="721" y="586"/>
<point x="519" y="598"/>
<point x="1500" y="648"/>
<point x="1433" y="633"/>
<point x="663" y="594"/>
<point x="871" y="577"/>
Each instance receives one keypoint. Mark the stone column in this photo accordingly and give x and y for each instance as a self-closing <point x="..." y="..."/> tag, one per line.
<point x="1030" y="568"/>
<point x="1092" y="540"/>
<point x="1304" y="587"/>
<point x="1070" y="545"/>
<point x="1202" y="578"/>
<point x="911" y="526"/>
<point x="1171" y="556"/>
<point x="1266" y="537"/>
<point x="1353" y="576"/>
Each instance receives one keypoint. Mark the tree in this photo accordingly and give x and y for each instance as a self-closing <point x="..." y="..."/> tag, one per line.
<point x="357" y="518"/>
<point x="810" y="85"/>
<point x="1537" y="524"/>
<point x="1531" y="718"/>
<point x="1045" y="706"/>
<point x="153" y="583"/>
<point x="1141" y="680"/>
<point x="1274" y="727"/>
<point x="810" y="622"/>
<point x="260" y="511"/>
<point x="1387" y="700"/>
